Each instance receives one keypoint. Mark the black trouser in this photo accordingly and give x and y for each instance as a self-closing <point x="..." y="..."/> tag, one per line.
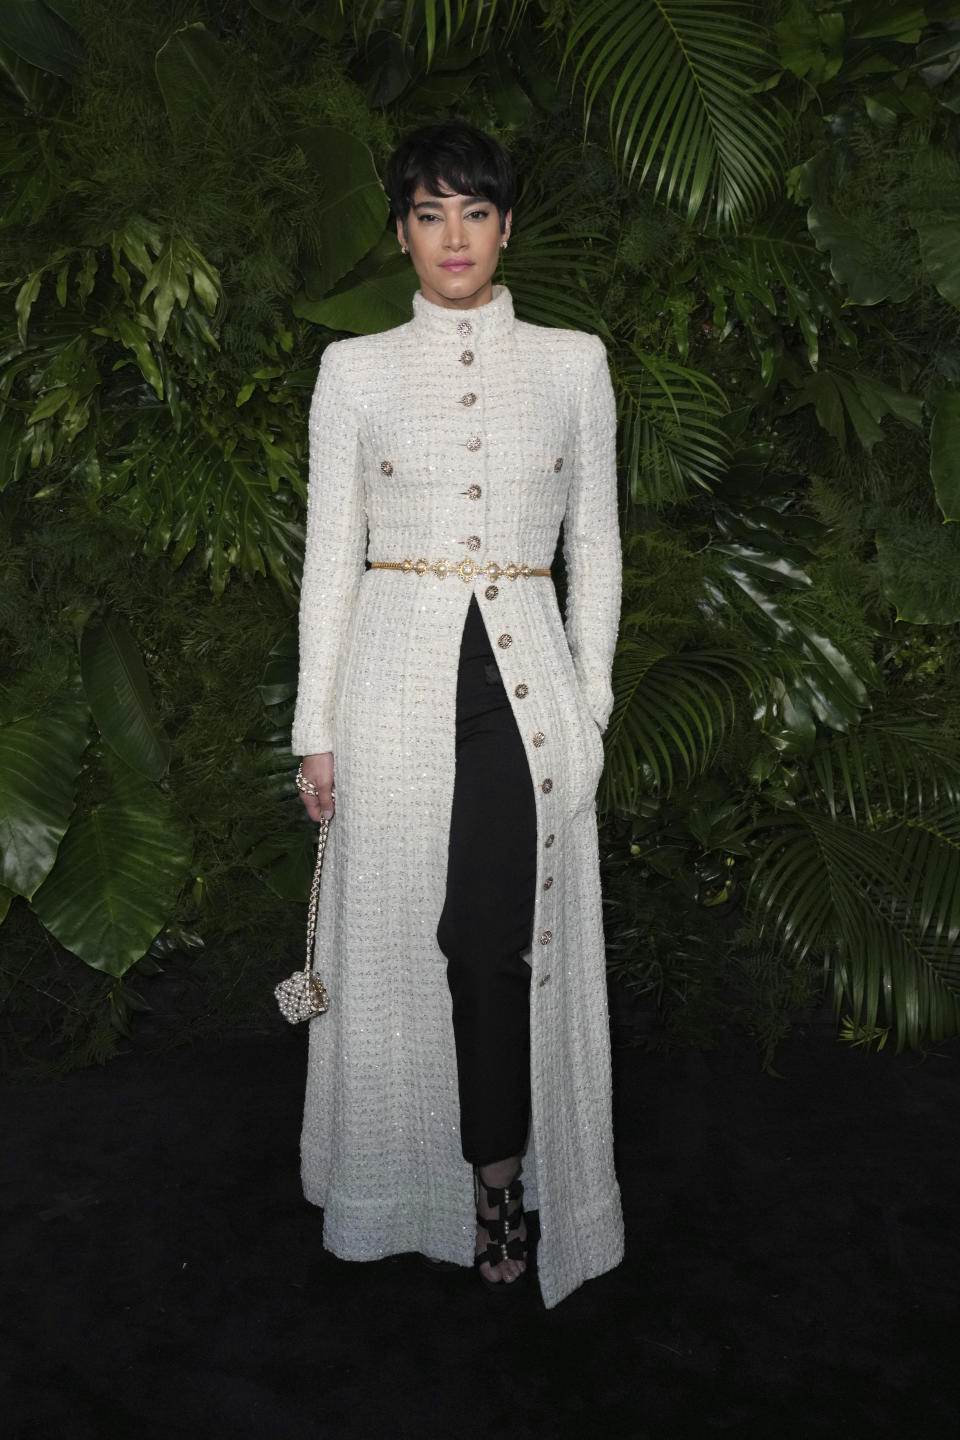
<point x="487" y="915"/>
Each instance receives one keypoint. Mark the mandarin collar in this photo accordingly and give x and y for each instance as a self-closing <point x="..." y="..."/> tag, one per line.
<point x="487" y="322"/>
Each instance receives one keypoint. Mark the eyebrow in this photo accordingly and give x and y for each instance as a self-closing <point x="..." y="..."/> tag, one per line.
<point x="436" y="205"/>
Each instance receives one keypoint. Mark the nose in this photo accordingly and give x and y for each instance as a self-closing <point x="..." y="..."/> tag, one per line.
<point x="455" y="237"/>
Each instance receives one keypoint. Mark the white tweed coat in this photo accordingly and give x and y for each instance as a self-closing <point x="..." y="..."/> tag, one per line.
<point x="462" y="435"/>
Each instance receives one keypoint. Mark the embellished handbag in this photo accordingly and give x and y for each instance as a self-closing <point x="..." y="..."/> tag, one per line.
<point x="303" y="995"/>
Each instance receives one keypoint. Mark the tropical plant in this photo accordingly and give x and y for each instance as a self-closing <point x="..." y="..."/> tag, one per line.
<point x="755" y="205"/>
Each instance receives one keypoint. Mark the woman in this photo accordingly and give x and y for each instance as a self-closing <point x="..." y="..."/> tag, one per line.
<point x="459" y="932"/>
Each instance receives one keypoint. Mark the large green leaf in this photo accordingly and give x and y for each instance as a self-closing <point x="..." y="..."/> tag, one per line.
<point x="40" y="759"/>
<point x="851" y="400"/>
<point x="199" y="496"/>
<point x="945" y="452"/>
<point x="190" y="69"/>
<point x="37" y="35"/>
<point x="679" y="74"/>
<point x="775" y="274"/>
<point x="918" y="562"/>
<point x="117" y="875"/>
<point x="856" y="261"/>
<point x="940" y="251"/>
<point x="352" y="208"/>
<point x="118" y="691"/>
<point x="820" y="672"/>
<point x="36" y="88"/>
<point x="278" y="682"/>
<point x="376" y="295"/>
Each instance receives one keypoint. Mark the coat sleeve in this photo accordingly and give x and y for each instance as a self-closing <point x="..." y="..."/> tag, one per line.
<point x="591" y="538"/>
<point x="335" y="549"/>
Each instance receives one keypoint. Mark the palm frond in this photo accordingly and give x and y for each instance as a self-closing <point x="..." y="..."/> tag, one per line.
<point x="866" y="904"/>
<point x="930" y="850"/>
<point x="549" y="265"/>
<point x="440" y="20"/>
<point x="670" y="422"/>
<point x="884" y="766"/>
<point x="670" y="713"/>
<point x="678" y="75"/>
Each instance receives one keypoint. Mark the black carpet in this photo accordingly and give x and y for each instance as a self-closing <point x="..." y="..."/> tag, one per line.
<point x="793" y="1258"/>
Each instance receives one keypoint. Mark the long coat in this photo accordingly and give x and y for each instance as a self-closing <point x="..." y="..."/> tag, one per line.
<point x="462" y="436"/>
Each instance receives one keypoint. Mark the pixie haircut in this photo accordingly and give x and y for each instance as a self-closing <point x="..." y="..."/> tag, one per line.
<point x="452" y="157"/>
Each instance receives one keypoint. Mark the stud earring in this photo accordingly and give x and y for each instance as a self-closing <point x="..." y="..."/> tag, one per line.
<point x="403" y="249"/>
<point x="503" y="244"/>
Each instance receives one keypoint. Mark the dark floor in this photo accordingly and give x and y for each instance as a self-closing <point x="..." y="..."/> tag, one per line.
<point x="792" y="1270"/>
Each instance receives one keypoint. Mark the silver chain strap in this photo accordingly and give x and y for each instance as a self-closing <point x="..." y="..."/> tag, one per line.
<point x="315" y="891"/>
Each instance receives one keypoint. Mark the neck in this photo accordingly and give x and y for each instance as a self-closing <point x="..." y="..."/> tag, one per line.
<point x="483" y="296"/>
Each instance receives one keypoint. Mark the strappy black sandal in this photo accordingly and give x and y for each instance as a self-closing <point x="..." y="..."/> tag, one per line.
<point x="503" y="1237"/>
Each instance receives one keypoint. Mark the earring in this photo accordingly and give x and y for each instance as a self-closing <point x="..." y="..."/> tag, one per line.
<point x="403" y="249"/>
<point x="503" y="244"/>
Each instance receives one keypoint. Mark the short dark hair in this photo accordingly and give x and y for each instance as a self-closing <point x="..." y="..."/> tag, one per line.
<point x="455" y="157"/>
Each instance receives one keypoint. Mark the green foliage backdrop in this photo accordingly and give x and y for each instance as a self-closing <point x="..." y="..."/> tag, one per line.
<point x="757" y="205"/>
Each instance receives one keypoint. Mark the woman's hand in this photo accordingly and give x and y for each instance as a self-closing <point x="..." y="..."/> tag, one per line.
<point x="319" y="770"/>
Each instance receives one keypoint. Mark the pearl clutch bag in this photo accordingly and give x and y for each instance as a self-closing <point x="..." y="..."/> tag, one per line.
<point x="303" y="995"/>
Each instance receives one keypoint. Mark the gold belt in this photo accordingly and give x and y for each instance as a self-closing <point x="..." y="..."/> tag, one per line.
<point x="467" y="569"/>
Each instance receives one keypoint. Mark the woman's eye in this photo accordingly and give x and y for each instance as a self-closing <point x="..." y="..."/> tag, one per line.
<point x="479" y="214"/>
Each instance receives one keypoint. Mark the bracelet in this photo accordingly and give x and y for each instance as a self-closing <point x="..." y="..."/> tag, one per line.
<point x="305" y="786"/>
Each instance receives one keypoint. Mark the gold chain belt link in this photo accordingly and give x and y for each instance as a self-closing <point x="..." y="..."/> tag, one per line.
<point x="467" y="569"/>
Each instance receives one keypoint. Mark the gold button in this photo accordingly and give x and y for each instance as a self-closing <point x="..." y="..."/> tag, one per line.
<point x="539" y="738"/>
<point x="544" y="978"/>
<point x="505" y="642"/>
<point x="522" y="690"/>
<point x="474" y="492"/>
<point x="472" y="542"/>
<point x="546" y="936"/>
<point x="548" y="882"/>
<point x="466" y="357"/>
<point x="474" y="442"/>
<point x="386" y="467"/>
<point x="464" y="328"/>
<point x="468" y="399"/>
<point x="549" y="841"/>
<point x="546" y="786"/>
<point x="558" y="464"/>
<point x="491" y="592"/>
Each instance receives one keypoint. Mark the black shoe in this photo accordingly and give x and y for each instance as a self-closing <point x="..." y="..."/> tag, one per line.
<point x="503" y="1237"/>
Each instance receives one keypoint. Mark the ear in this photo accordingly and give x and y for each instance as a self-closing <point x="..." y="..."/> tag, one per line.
<point x="507" y="223"/>
<point x="401" y="232"/>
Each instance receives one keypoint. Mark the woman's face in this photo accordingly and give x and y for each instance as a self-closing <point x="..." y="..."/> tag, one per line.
<point x="454" y="243"/>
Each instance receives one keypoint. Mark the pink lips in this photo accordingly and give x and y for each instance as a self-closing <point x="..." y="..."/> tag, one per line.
<point x="456" y="264"/>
